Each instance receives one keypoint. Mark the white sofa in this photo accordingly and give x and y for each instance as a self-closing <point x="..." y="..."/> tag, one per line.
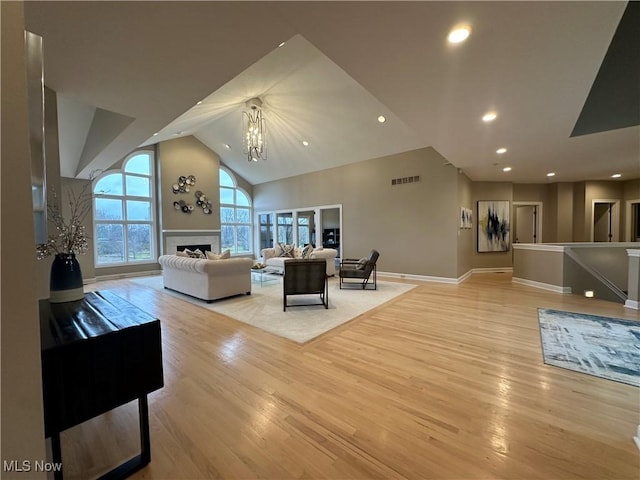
<point x="207" y="280"/>
<point x="271" y="258"/>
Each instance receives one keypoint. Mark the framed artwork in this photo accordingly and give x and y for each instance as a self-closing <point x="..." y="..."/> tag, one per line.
<point x="466" y="217"/>
<point x="493" y="226"/>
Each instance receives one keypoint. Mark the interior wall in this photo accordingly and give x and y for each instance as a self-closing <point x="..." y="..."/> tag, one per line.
<point x="580" y="223"/>
<point x="537" y="192"/>
<point x="413" y="225"/>
<point x="630" y="191"/>
<point x="76" y="187"/>
<point x="188" y="156"/>
<point x="21" y="417"/>
<point x="465" y="235"/>
<point x="490" y="191"/>
<point x="564" y="213"/>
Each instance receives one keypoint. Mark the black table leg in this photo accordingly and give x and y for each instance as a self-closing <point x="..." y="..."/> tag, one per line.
<point x="56" y="453"/>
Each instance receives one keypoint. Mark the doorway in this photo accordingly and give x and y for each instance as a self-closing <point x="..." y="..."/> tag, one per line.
<point x="633" y="221"/>
<point x="604" y="221"/>
<point x="527" y="222"/>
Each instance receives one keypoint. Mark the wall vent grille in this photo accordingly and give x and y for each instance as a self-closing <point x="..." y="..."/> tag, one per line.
<point x="405" y="180"/>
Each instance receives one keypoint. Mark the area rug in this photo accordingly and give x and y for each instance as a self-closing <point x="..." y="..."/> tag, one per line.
<point x="600" y="346"/>
<point x="263" y="308"/>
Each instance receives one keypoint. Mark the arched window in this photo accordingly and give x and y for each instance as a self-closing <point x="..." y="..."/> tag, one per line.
<point x="123" y="213"/>
<point x="235" y="215"/>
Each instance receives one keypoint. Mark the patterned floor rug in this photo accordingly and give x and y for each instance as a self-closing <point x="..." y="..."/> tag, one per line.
<point x="600" y="346"/>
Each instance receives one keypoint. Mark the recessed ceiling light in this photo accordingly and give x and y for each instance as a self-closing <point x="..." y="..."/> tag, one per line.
<point x="281" y="44"/>
<point x="227" y="146"/>
<point x="155" y="134"/>
<point x="305" y="143"/>
<point x="382" y="119"/>
<point x="489" y="116"/>
<point x="501" y="150"/>
<point x="459" y="34"/>
<point x="616" y="175"/>
<point x="551" y="174"/>
<point x="506" y="169"/>
<point x="199" y="103"/>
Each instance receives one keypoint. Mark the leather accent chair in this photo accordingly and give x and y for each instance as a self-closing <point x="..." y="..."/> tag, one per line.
<point x="363" y="270"/>
<point x="305" y="277"/>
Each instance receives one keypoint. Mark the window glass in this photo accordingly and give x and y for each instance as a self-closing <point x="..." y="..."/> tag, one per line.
<point x="227" y="215"/>
<point x="226" y="180"/>
<point x="244" y="239"/>
<point x="243" y="215"/>
<point x="108" y="209"/>
<point x="110" y="243"/>
<point x="109" y="184"/>
<point x="227" y="238"/>
<point x="139" y="245"/>
<point x="138" y="210"/>
<point x="226" y="195"/>
<point x="140" y="163"/>
<point x="242" y="199"/>
<point x="138" y="186"/>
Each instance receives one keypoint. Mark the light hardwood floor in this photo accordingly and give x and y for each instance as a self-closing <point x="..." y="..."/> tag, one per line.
<point x="444" y="382"/>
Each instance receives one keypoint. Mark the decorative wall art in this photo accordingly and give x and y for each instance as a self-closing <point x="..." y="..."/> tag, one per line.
<point x="466" y="217"/>
<point x="493" y="226"/>
<point x="183" y="184"/>
<point x="203" y="202"/>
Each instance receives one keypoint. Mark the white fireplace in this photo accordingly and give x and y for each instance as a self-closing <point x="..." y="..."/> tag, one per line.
<point x="173" y="238"/>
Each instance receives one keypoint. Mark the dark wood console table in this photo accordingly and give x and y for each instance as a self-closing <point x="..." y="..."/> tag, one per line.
<point x="98" y="353"/>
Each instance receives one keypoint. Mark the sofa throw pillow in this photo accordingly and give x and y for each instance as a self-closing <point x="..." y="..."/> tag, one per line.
<point x="362" y="263"/>
<point x="181" y="254"/>
<point x="195" y="254"/>
<point x="306" y="251"/>
<point x="287" y="250"/>
<point x="219" y="256"/>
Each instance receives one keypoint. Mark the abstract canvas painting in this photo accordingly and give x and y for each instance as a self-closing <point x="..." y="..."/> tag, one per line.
<point x="465" y="217"/>
<point x="493" y="226"/>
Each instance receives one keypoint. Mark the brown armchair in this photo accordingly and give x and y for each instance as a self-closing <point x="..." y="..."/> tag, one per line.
<point x="305" y="277"/>
<point x="363" y="270"/>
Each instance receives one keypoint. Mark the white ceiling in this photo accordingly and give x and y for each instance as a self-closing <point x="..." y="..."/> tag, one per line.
<point x="136" y="68"/>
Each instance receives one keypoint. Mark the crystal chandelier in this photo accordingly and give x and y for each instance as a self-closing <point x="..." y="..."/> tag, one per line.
<point x="254" y="131"/>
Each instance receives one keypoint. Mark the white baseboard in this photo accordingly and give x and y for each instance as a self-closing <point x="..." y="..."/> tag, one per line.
<point x="493" y="270"/>
<point x="541" y="285"/>
<point x="637" y="438"/>
<point x="422" y="278"/>
<point x="117" y="276"/>
<point x="449" y="280"/>
<point x="636" y="306"/>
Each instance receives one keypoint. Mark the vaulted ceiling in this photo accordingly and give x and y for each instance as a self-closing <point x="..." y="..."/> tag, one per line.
<point x="124" y="71"/>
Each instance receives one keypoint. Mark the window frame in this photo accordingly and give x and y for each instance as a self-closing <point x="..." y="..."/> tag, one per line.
<point x="124" y="221"/>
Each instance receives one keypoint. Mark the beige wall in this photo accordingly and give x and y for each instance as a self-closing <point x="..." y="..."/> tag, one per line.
<point x="564" y="209"/>
<point x="414" y="226"/>
<point x="188" y="156"/>
<point x="21" y="384"/>
<point x="466" y="241"/>
<point x="580" y="224"/>
<point x="490" y="191"/>
<point x="539" y="266"/>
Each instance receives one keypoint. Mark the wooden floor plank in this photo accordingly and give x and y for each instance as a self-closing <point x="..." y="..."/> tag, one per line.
<point x="445" y="382"/>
